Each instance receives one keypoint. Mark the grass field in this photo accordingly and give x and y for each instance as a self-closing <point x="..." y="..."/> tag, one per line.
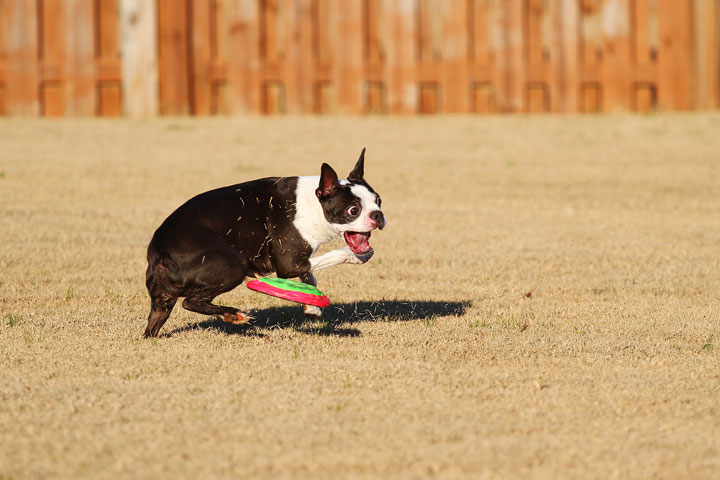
<point x="545" y="303"/>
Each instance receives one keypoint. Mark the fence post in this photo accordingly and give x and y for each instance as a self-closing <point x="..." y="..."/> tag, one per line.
<point x="455" y="88"/>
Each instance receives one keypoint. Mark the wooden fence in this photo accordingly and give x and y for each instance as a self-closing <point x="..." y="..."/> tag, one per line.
<point x="143" y="57"/>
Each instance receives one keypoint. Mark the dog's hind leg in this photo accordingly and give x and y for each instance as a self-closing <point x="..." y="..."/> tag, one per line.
<point x="223" y="270"/>
<point x="202" y="303"/>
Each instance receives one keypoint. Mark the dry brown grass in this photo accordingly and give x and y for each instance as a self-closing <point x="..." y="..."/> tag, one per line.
<point x="433" y="362"/>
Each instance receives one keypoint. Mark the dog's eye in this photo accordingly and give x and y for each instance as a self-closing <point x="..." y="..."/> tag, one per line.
<point x="353" y="211"/>
<point x="379" y="202"/>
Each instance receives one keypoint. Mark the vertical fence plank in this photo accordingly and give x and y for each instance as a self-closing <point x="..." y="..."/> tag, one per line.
<point x="403" y="93"/>
<point x="307" y="54"/>
<point x="323" y="26"/>
<point x="272" y="56"/>
<point x="706" y="66"/>
<point x="3" y="56"/>
<point x="109" y="83"/>
<point x="21" y="69"/>
<point x="80" y="60"/>
<point x="536" y="56"/>
<point x="290" y="55"/>
<point x="568" y="54"/>
<point x="512" y="65"/>
<point x="374" y="57"/>
<point x="590" y="91"/>
<point x="616" y="55"/>
<point x="173" y="55"/>
<point x="429" y="57"/>
<point x="138" y="24"/>
<point x="455" y="83"/>
<point x="200" y="56"/>
<point x="219" y="28"/>
<point x="674" y="56"/>
<point x="643" y="55"/>
<point x="244" y="62"/>
<point x="52" y="57"/>
<point x="349" y="57"/>
<point x="485" y="76"/>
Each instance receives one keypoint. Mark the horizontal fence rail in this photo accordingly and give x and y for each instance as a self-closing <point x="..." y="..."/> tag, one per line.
<point x="203" y="57"/>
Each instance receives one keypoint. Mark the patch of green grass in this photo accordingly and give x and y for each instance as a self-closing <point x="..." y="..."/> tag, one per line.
<point x="69" y="293"/>
<point x="12" y="320"/>
<point x="430" y="321"/>
<point x="708" y="346"/>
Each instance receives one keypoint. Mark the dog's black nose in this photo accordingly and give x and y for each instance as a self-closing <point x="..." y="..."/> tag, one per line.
<point x="379" y="219"/>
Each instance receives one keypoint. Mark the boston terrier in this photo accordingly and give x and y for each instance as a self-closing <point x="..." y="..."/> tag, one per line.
<point x="271" y="225"/>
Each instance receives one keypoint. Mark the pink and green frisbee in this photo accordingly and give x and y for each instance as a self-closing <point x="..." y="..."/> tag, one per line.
<point x="290" y="290"/>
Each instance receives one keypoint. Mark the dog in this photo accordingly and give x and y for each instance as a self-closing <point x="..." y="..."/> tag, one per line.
<point x="210" y="244"/>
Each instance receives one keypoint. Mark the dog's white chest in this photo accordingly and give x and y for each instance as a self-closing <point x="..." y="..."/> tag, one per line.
<point x="309" y="219"/>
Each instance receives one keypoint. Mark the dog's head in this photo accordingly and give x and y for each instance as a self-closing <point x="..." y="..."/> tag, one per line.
<point x="351" y="206"/>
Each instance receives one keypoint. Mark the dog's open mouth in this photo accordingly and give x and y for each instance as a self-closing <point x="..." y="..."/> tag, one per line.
<point x="359" y="242"/>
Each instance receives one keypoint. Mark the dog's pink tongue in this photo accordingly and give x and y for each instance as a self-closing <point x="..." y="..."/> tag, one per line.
<point x="358" y="241"/>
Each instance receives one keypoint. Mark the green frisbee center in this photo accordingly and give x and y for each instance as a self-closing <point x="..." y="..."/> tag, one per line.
<point x="285" y="284"/>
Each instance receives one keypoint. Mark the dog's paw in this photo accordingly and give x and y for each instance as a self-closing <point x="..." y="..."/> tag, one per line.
<point x="358" y="259"/>
<point x="311" y="311"/>
<point x="238" y="318"/>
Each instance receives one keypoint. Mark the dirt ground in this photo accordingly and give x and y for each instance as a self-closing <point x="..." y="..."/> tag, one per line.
<point x="545" y="303"/>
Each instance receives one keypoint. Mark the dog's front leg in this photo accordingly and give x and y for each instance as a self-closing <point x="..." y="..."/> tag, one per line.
<point x="330" y="259"/>
<point x="311" y="311"/>
<point x="338" y="257"/>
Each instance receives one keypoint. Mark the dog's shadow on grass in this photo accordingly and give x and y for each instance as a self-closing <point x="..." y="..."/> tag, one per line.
<point x="292" y="317"/>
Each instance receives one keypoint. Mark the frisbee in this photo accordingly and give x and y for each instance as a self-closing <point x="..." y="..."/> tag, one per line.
<point x="290" y="290"/>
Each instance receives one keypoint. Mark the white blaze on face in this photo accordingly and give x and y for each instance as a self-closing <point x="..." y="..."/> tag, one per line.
<point x="369" y="204"/>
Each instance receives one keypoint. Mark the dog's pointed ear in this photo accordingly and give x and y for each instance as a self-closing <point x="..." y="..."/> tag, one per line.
<point x="359" y="170"/>
<point x="328" y="181"/>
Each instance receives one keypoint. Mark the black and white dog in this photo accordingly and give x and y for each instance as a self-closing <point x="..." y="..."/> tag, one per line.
<point x="216" y="239"/>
